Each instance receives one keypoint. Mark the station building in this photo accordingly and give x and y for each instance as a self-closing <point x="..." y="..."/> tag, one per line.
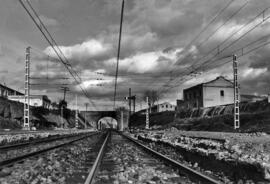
<point x="219" y="91"/>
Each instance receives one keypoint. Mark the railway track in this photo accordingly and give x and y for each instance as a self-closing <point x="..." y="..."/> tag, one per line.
<point x="21" y="158"/>
<point x="106" y="158"/>
<point x="34" y="142"/>
<point x="125" y="160"/>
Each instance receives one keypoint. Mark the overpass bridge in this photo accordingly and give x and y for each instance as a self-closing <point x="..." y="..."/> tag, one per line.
<point x="95" y="118"/>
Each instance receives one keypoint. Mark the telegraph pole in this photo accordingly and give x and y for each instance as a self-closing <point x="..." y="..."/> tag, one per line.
<point x="129" y="104"/>
<point x="134" y="102"/>
<point x="76" y="113"/>
<point x="236" y="94"/>
<point x="26" y="118"/>
<point x="129" y="101"/>
<point x="62" y="115"/>
<point x="147" y="115"/>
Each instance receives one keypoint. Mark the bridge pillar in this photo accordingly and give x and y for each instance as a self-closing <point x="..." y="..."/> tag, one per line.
<point x="122" y="121"/>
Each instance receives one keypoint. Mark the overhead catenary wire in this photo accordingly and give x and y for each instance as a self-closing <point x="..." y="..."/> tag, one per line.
<point x="211" y="22"/>
<point x="215" y="31"/>
<point x="53" y="45"/>
<point x="229" y="60"/>
<point x="235" y="41"/>
<point x="206" y="27"/>
<point x="118" y="51"/>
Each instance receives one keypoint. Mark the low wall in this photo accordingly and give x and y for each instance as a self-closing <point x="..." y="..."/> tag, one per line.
<point x="246" y="107"/>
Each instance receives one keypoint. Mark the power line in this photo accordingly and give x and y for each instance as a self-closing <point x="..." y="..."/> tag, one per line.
<point x="212" y="20"/>
<point x="240" y="37"/>
<point x="215" y="31"/>
<point x="118" y="52"/>
<point x="206" y="27"/>
<point x="239" y="56"/>
<point x="53" y="45"/>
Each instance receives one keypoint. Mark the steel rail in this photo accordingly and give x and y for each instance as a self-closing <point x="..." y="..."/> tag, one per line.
<point x="38" y="141"/>
<point x="92" y="173"/>
<point x="199" y="177"/>
<point x="12" y="161"/>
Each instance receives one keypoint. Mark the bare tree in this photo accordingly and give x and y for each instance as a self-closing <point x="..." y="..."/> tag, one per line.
<point x="153" y="97"/>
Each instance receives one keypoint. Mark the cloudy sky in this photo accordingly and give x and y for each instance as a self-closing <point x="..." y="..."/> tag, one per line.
<point x="161" y="46"/>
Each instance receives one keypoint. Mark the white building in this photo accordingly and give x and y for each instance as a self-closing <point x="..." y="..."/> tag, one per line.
<point x="166" y="106"/>
<point x="35" y="100"/>
<point x="6" y="91"/>
<point x="219" y="91"/>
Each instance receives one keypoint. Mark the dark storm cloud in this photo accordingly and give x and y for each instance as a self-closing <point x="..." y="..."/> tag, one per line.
<point x="155" y="33"/>
<point x="251" y="85"/>
<point x="261" y="59"/>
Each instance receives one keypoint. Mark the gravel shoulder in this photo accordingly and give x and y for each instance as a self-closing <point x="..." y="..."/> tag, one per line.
<point x="10" y="138"/>
<point x="251" y="149"/>
<point x="58" y="166"/>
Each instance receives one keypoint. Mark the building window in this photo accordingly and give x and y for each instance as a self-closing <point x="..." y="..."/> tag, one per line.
<point x="166" y="106"/>
<point x="221" y="93"/>
<point x="194" y="94"/>
<point x="190" y="96"/>
<point x="35" y="104"/>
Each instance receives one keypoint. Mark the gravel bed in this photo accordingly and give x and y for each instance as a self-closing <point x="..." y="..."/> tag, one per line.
<point x="9" y="138"/>
<point x="8" y="154"/>
<point x="126" y="163"/>
<point x="241" y="149"/>
<point x="176" y="155"/>
<point x="56" y="166"/>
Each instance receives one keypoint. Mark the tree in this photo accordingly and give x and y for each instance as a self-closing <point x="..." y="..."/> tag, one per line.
<point x="54" y="105"/>
<point x="153" y="97"/>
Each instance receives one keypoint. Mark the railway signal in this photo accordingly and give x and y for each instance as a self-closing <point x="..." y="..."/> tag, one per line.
<point x="130" y="99"/>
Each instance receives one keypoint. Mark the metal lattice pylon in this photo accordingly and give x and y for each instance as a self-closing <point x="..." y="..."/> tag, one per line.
<point x="76" y="114"/>
<point x="236" y="94"/>
<point x="26" y="123"/>
<point x="147" y="115"/>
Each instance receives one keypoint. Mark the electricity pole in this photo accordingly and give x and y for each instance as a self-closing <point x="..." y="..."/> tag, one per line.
<point x="62" y="115"/>
<point x="147" y="115"/>
<point x="86" y="105"/>
<point x="129" y="101"/>
<point x="134" y="102"/>
<point x="236" y="94"/>
<point x="76" y="113"/>
<point x="26" y="118"/>
<point x="129" y="104"/>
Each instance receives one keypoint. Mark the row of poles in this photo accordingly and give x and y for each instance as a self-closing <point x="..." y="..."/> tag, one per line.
<point x="26" y="117"/>
<point x="236" y="99"/>
<point x="130" y="98"/>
